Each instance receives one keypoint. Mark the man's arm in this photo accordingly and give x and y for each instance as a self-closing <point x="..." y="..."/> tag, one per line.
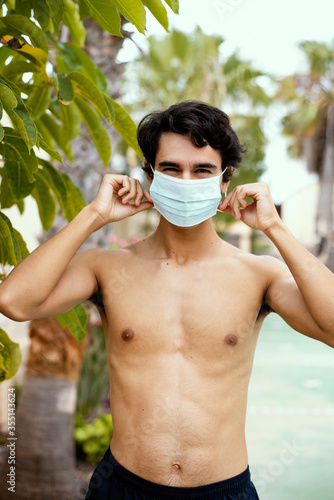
<point x="51" y="280"/>
<point x="304" y="298"/>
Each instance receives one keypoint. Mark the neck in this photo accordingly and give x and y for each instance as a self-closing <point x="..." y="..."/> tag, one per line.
<point x="184" y="244"/>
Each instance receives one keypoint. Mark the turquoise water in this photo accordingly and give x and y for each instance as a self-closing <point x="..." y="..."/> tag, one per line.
<point x="290" y="421"/>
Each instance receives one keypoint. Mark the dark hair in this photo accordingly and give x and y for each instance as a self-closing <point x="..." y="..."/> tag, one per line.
<point x="204" y="123"/>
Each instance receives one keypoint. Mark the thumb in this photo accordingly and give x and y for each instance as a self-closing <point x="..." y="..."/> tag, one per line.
<point x="144" y="205"/>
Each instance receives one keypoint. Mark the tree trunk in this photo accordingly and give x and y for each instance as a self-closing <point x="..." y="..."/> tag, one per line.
<point x="45" y="462"/>
<point x="325" y="219"/>
<point x="45" y="458"/>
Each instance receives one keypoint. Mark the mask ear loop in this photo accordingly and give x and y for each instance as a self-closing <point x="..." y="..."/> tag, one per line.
<point x="222" y="178"/>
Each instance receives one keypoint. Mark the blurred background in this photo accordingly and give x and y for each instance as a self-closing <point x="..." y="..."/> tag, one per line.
<point x="270" y="66"/>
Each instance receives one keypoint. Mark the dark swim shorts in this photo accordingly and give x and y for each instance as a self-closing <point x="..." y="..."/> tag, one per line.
<point x="111" y="481"/>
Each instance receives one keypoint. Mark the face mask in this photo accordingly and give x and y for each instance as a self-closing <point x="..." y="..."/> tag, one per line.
<point x="185" y="202"/>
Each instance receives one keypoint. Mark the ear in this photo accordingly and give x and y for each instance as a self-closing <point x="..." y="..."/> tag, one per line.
<point x="148" y="176"/>
<point x="224" y="185"/>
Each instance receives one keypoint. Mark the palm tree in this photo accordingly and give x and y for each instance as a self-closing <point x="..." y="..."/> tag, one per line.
<point x="310" y="124"/>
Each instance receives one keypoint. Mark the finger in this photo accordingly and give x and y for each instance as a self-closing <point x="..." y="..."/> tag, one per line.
<point x="227" y="210"/>
<point x="125" y="181"/>
<point x="226" y="201"/>
<point x="140" y="194"/>
<point x="132" y="191"/>
<point x="144" y="205"/>
<point x="147" y="195"/>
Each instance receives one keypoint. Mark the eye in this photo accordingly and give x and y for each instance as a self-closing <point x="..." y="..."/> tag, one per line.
<point x="203" y="171"/>
<point x="172" y="169"/>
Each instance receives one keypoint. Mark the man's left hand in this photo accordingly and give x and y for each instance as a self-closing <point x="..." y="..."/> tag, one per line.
<point x="260" y="214"/>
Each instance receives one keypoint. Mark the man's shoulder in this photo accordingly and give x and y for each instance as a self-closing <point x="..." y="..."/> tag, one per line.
<point x="98" y="255"/>
<point x="267" y="265"/>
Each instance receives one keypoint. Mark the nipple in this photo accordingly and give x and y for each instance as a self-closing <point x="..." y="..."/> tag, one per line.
<point x="231" y="339"/>
<point x="128" y="334"/>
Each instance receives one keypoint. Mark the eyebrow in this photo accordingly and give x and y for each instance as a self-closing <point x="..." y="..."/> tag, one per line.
<point x="167" y="163"/>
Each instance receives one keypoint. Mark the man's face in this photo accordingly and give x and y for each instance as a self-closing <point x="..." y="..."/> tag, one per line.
<point x="178" y="157"/>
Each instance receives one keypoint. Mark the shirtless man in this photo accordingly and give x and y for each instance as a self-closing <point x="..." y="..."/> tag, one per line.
<point x="181" y="328"/>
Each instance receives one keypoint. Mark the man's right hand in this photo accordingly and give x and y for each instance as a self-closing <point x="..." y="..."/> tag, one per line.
<point x="112" y="202"/>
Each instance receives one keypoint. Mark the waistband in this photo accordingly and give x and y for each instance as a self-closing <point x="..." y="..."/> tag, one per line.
<point x="233" y="485"/>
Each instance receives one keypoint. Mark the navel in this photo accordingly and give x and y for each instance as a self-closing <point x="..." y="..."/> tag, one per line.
<point x="231" y="339"/>
<point x="128" y="334"/>
<point x="176" y="467"/>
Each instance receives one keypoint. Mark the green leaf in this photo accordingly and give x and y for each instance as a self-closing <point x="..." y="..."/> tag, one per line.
<point x="64" y="87"/>
<point x="17" y="68"/>
<point x="41" y="144"/>
<point x="28" y="28"/>
<point x="23" y="7"/>
<point x="75" y="321"/>
<point x="12" y="246"/>
<point x="71" y="19"/>
<point x="39" y="101"/>
<point x="19" y="115"/>
<point x="2" y="133"/>
<point x="21" y="243"/>
<point x="105" y="14"/>
<point x="158" y="10"/>
<point x="44" y="133"/>
<point x="91" y="92"/>
<point x="14" y="88"/>
<point x="56" y="12"/>
<point x="96" y="129"/>
<point x="18" y="179"/>
<point x="41" y="12"/>
<point x="69" y="59"/>
<point x="56" y="183"/>
<point x="7" y="199"/>
<point x="75" y="201"/>
<point x="84" y="10"/>
<point x="24" y="124"/>
<point x="7" y="245"/>
<point x="10" y="357"/>
<point x="5" y="53"/>
<point x="7" y="97"/>
<point x="174" y="5"/>
<point x="71" y="119"/>
<point x="45" y="202"/>
<point x="73" y="59"/>
<point x="133" y="11"/>
<point x="125" y="126"/>
<point x="54" y="130"/>
<point x="19" y="165"/>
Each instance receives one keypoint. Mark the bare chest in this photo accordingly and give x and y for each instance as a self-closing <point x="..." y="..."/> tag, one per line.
<point x="193" y="310"/>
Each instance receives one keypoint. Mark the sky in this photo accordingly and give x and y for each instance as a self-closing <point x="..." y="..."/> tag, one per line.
<point x="266" y="32"/>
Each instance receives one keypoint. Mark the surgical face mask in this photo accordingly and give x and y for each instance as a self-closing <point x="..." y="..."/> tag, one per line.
<point x="185" y="202"/>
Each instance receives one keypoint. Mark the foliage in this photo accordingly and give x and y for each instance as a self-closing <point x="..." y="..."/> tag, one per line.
<point x="10" y="357"/>
<point x="309" y="122"/>
<point x="93" y="438"/>
<point x="93" y="383"/>
<point x="307" y="96"/>
<point x="48" y="88"/>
